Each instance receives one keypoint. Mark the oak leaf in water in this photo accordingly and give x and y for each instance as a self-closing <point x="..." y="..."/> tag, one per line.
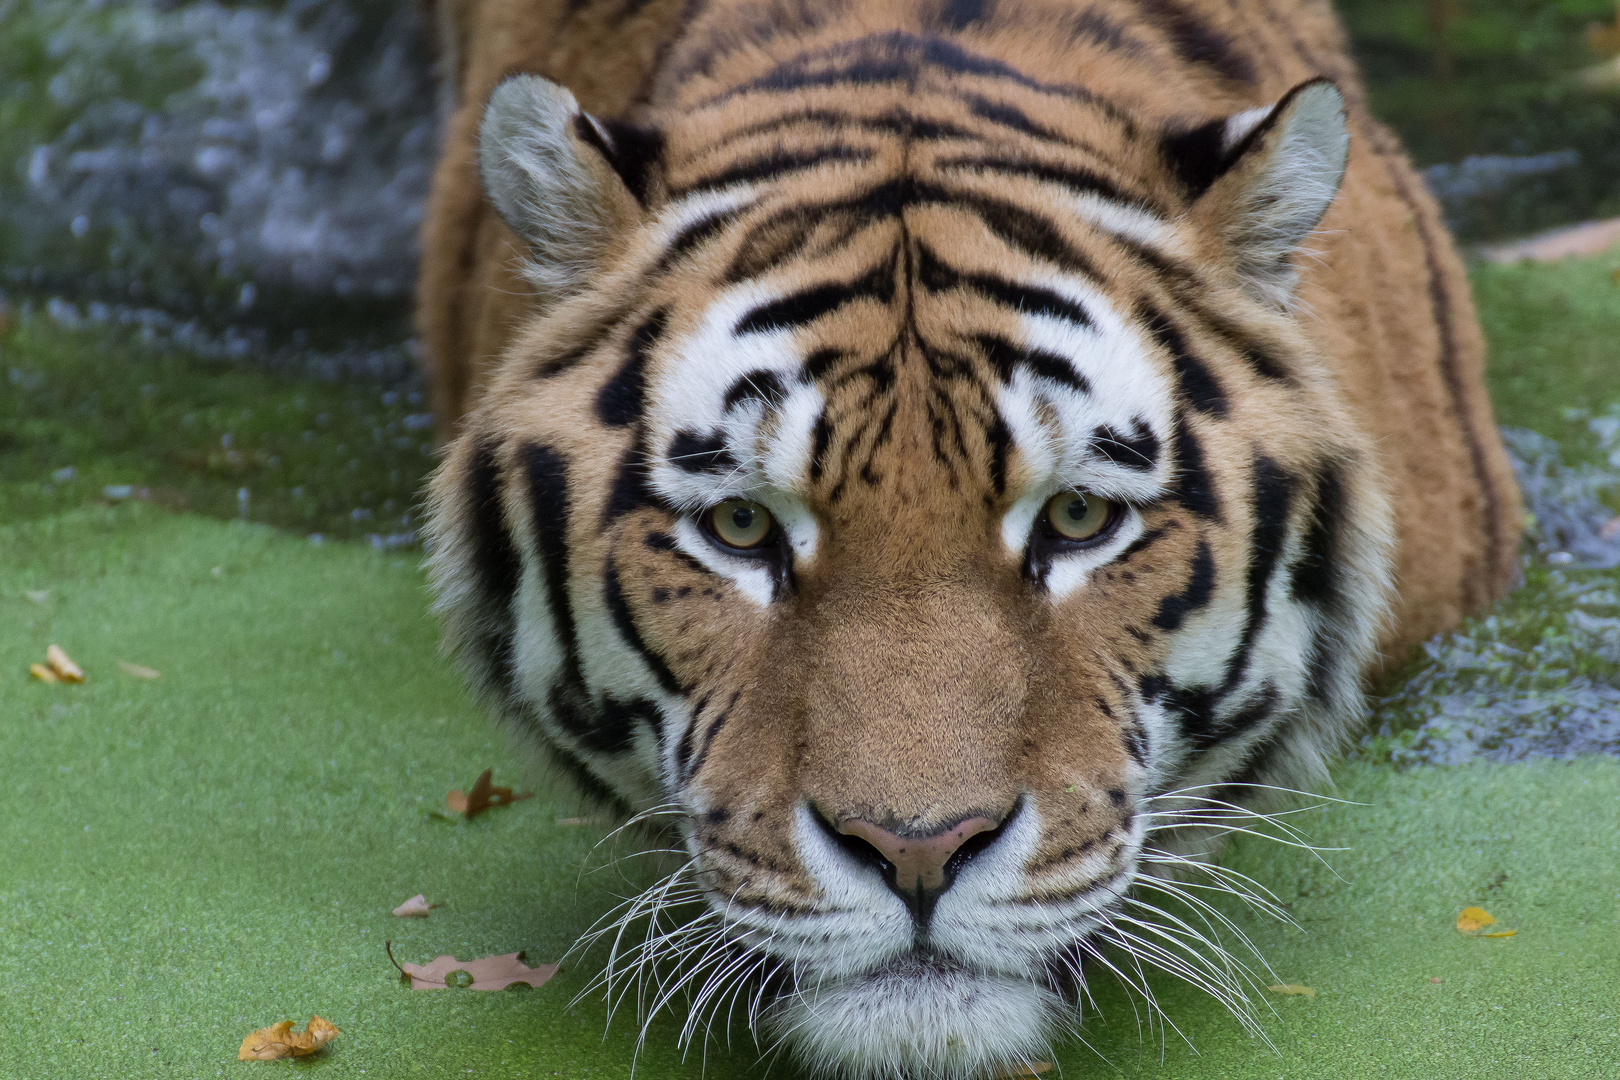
<point x="1292" y="988"/>
<point x="484" y="794"/>
<point x="485" y="973"/>
<point x="280" y="1041"/>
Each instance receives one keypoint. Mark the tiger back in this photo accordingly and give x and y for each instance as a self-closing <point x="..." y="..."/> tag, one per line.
<point x="940" y="453"/>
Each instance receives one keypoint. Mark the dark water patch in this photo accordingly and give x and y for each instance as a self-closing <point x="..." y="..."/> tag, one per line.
<point x="1540" y="675"/>
<point x="259" y="163"/>
<point x="96" y="414"/>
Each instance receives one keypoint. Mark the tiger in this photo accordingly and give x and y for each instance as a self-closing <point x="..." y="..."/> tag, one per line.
<point x="939" y="461"/>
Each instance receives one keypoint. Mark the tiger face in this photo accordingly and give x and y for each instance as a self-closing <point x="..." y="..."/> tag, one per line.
<point x="927" y="525"/>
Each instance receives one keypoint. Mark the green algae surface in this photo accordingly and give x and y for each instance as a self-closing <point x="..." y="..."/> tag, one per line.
<point x="196" y="856"/>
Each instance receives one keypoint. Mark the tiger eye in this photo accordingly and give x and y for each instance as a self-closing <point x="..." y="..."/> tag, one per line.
<point x="1074" y="516"/>
<point x="741" y="524"/>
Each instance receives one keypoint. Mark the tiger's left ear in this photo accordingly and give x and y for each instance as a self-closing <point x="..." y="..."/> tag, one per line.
<point x="1262" y="180"/>
<point x="569" y="184"/>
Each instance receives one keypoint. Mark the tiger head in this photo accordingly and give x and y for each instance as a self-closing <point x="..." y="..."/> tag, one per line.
<point x="909" y="507"/>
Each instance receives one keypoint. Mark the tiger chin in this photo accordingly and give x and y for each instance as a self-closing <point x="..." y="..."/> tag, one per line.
<point x="948" y="462"/>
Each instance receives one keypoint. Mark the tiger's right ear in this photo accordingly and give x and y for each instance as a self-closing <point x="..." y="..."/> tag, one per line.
<point x="567" y="183"/>
<point x="1261" y="181"/>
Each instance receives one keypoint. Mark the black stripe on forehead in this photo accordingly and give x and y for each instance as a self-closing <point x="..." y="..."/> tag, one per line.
<point x="772" y="166"/>
<point x="1197" y="42"/>
<point x="936" y="276"/>
<point x="698" y="452"/>
<point x="1199" y="387"/>
<point x="1006" y="358"/>
<point x="1194" y="486"/>
<point x="619" y="402"/>
<point x="802" y="308"/>
<point x="899" y="56"/>
<point x="1136" y="449"/>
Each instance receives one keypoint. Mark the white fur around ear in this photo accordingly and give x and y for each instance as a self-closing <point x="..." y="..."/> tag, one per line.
<point x="554" y="191"/>
<point x="1286" y="166"/>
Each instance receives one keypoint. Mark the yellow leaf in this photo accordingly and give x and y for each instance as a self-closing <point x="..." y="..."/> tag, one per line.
<point x="1292" y="988"/>
<point x="63" y="665"/>
<point x="138" y="670"/>
<point x="280" y="1041"/>
<point x="1500" y="933"/>
<point x="43" y="673"/>
<point x="1473" y="920"/>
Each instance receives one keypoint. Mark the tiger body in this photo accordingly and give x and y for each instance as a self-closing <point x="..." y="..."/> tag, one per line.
<point x="896" y="279"/>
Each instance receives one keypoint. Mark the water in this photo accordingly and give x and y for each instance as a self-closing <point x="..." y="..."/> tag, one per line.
<point x="1540" y="676"/>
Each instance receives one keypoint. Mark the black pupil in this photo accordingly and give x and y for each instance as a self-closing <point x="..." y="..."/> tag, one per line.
<point x="743" y="518"/>
<point x="1077" y="509"/>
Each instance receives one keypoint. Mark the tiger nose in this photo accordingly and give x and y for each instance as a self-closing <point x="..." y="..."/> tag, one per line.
<point x="920" y="867"/>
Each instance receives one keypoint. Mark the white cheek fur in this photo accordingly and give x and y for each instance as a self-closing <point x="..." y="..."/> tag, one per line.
<point x="1070" y="571"/>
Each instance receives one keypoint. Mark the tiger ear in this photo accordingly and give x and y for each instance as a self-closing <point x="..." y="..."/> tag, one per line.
<point x="1263" y="179"/>
<point x="567" y="183"/>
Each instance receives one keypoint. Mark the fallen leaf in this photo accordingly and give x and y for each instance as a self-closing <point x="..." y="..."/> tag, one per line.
<point x="63" y="665"/>
<point x="416" y="907"/>
<point x="484" y="795"/>
<point x="1018" y="1072"/>
<point x="485" y="973"/>
<point x="43" y="673"/>
<point x="138" y="670"/>
<point x="280" y="1041"/>
<point x="1292" y="988"/>
<point x="1473" y="920"/>
<point x="38" y="596"/>
<point x="1500" y="933"/>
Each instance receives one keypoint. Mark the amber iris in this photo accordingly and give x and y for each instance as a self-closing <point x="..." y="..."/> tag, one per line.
<point x="741" y="524"/>
<point x="1074" y="516"/>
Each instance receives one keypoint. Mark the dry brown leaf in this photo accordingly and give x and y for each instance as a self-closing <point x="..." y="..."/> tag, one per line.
<point x="1473" y="920"/>
<point x="43" y="673"/>
<point x="280" y="1041"/>
<point x="416" y="907"/>
<point x="1018" y="1072"/>
<point x="1436" y="980"/>
<point x="1293" y="989"/>
<point x="63" y="665"/>
<point x="140" y="671"/>
<point x="485" y="973"/>
<point x="484" y="795"/>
